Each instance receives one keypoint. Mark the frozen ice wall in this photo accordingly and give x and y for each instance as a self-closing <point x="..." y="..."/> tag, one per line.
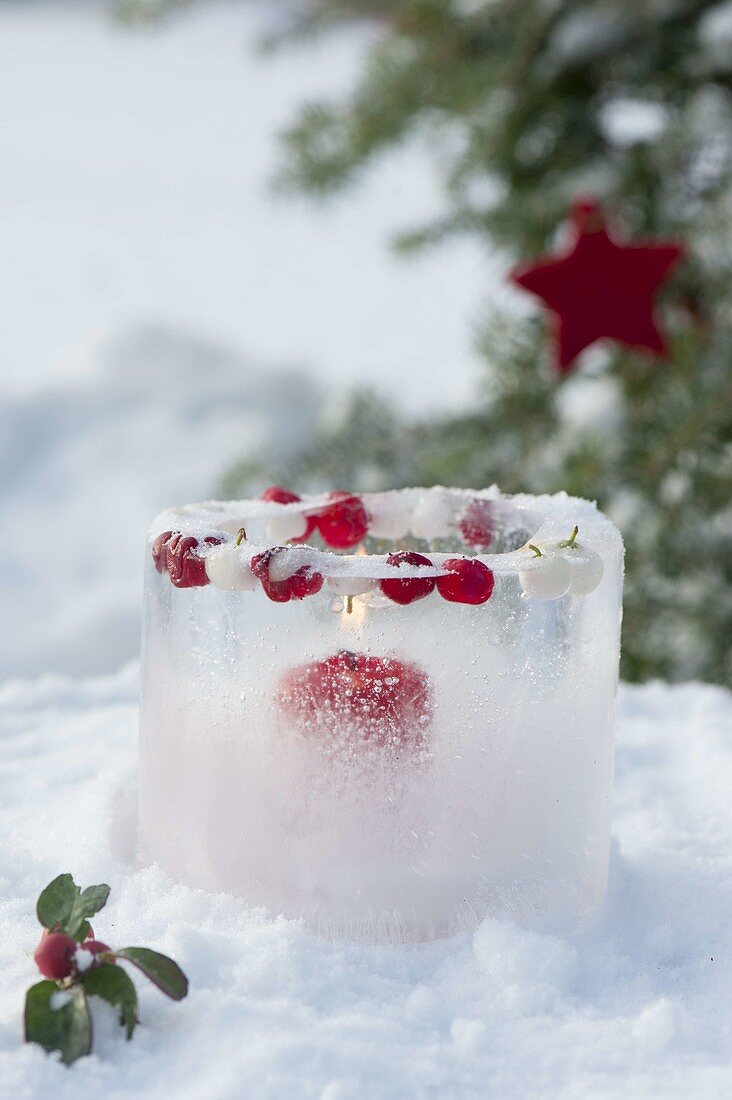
<point x="496" y="800"/>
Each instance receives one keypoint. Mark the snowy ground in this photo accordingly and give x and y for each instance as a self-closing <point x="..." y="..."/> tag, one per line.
<point x="636" y="1005"/>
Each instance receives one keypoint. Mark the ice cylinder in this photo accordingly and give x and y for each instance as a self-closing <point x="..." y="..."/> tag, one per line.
<point x="383" y="770"/>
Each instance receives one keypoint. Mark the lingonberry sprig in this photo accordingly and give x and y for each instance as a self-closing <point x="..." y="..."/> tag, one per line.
<point x="75" y="966"/>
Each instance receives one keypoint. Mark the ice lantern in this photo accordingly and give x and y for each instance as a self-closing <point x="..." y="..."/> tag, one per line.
<point x="385" y="769"/>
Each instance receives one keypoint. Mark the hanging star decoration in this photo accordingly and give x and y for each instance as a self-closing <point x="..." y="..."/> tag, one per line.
<point x="600" y="289"/>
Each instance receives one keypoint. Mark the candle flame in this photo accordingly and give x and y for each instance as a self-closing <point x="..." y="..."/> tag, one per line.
<point x="354" y="612"/>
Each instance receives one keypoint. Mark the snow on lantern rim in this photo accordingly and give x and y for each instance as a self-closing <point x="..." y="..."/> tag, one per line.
<point x="563" y="543"/>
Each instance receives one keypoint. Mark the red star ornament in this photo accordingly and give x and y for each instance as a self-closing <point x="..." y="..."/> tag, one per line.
<point x="600" y="289"/>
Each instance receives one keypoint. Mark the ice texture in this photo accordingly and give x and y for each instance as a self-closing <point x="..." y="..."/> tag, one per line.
<point x="498" y="804"/>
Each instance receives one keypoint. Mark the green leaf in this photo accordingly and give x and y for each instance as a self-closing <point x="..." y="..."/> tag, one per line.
<point x="66" y="1028"/>
<point x="114" y="985"/>
<point x="86" y="904"/>
<point x="63" y="906"/>
<point x="162" y="971"/>
<point x="54" y="905"/>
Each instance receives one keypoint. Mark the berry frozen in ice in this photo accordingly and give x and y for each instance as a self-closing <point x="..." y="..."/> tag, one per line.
<point x="476" y="524"/>
<point x="54" y="956"/>
<point x="407" y="589"/>
<point x="158" y="550"/>
<point x="389" y="516"/>
<point x="467" y="581"/>
<point x="587" y="570"/>
<point x="356" y="697"/>
<point x="344" y="522"/>
<point x="229" y="568"/>
<point x="186" y="567"/>
<point x="281" y="580"/>
<point x="292" y="526"/>
<point x="433" y="515"/>
<point x="551" y="576"/>
<point x="278" y="495"/>
<point x="585" y="564"/>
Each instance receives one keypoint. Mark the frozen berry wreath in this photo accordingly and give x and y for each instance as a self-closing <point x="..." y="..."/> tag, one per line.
<point x="290" y="568"/>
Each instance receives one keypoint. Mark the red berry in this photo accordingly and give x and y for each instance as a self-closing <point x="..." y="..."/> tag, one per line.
<point x="96" y="947"/>
<point x="305" y="581"/>
<point x="158" y="550"/>
<point x="185" y="568"/>
<point x="468" y="581"/>
<point x="355" y="697"/>
<point x="284" y="496"/>
<point x="411" y="588"/>
<point x="54" y="956"/>
<point x="345" y="522"/>
<point x="476" y="524"/>
<point x="279" y="495"/>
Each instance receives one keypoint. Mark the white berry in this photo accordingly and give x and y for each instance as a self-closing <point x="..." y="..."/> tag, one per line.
<point x="550" y="578"/>
<point x="389" y="518"/>
<point x="433" y="516"/>
<point x="586" y="570"/>
<point x="291" y="525"/>
<point x="352" y="586"/>
<point x="226" y="567"/>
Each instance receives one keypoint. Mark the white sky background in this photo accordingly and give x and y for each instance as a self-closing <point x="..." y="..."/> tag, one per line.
<point x="133" y="185"/>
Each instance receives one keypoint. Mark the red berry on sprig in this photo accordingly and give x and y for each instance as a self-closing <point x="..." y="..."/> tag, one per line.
<point x="54" y="956"/>
<point x="96" y="947"/>
<point x="467" y="581"/>
<point x="186" y="568"/>
<point x="76" y="967"/>
<point x="476" y="524"/>
<point x="303" y="582"/>
<point x="277" y="495"/>
<point x="344" y="522"/>
<point x="408" y="589"/>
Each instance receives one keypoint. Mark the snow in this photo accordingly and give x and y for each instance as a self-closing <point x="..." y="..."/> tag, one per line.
<point x="61" y="998"/>
<point x="83" y="959"/>
<point x="635" y="1003"/>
